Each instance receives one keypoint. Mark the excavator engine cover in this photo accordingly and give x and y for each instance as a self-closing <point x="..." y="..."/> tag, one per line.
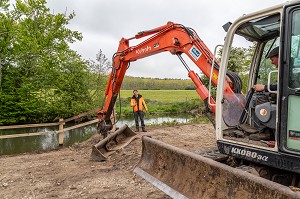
<point x="183" y="174"/>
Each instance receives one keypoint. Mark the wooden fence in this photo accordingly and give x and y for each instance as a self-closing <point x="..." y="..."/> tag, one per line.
<point x="60" y="125"/>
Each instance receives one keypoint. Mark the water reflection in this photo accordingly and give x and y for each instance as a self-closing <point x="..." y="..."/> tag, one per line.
<point x="26" y="144"/>
<point x="50" y="141"/>
<point x="42" y="142"/>
<point x="154" y="120"/>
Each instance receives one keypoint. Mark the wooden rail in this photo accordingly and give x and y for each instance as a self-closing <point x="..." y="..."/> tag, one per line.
<point x="28" y="126"/>
<point x="60" y="131"/>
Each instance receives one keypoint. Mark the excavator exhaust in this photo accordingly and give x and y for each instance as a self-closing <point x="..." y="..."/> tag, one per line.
<point x="113" y="142"/>
<point x="183" y="174"/>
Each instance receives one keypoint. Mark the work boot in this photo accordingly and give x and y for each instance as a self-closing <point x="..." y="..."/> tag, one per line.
<point x="137" y="129"/>
<point x="143" y="129"/>
<point x="260" y="136"/>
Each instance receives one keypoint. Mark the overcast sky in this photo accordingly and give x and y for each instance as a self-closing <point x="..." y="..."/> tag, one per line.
<point x="104" y="22"/>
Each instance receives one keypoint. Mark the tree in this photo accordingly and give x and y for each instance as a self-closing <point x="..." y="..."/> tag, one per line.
<point x="42" y="78"/>
<point x="239" y="62"/>
<point x="240" y="59"/>
<point x="98" y="75"/>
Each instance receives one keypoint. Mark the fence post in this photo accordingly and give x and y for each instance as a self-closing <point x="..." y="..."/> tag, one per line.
<point x="61" y="132"/>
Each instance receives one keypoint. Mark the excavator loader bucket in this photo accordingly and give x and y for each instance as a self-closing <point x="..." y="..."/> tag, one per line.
<point x="183" y="174"/>
<point x="113" y="142"/>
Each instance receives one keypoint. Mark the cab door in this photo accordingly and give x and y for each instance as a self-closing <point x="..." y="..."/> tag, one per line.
<point x="289" y="86"/>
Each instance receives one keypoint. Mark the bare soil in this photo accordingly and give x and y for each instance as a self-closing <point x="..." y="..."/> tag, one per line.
<point x="70" y="173"/>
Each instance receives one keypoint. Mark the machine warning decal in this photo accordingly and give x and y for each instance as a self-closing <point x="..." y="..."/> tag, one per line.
<point x="295" y="135"/>
<point x="195" y="52"/>
<point x="215" y="76"/>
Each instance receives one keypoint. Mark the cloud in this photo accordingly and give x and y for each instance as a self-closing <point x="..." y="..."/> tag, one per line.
<point x="104" y="23"/>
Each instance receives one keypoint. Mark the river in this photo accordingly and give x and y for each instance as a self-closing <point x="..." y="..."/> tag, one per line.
<point x="11" y="146"/>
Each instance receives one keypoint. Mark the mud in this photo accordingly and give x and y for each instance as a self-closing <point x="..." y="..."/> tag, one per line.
<point x="70" y="173"/>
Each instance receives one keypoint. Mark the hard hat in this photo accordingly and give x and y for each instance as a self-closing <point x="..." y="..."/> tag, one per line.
<point x="274" y="52"/>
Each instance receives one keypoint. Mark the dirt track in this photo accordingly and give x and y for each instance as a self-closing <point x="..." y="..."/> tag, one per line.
<point x="69" y="172"/>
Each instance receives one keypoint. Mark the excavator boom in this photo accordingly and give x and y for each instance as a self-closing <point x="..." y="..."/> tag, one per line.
<point x="172" y="37"/>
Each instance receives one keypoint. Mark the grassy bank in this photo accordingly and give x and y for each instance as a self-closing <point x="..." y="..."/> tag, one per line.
<point x="163" y="101"/>
<point x="164" y="96"/>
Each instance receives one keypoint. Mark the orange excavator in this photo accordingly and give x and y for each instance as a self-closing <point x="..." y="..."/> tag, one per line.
<point x="258" y="134"/>
<point x="176" y="39"/>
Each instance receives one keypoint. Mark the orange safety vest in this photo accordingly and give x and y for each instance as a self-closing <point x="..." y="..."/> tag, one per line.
<point x="138" y="106"/>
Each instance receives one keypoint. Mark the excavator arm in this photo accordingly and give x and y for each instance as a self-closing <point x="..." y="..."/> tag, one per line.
<point x="176" y="39"/>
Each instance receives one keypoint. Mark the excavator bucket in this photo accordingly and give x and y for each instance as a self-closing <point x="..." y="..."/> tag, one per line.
<point x="183" y="174"/>
<point x="113" y="142"/>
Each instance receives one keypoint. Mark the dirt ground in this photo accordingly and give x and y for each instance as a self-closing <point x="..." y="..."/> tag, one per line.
<point x="70" y="173"/>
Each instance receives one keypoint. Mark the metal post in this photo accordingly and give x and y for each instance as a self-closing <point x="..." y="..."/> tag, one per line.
<point x="113" y="119"/>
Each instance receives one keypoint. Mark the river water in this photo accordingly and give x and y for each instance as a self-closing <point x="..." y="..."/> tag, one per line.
<point x="10" y="146"/>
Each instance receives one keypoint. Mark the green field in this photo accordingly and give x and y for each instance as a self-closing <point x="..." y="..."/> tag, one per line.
<point x="164" y="96"/>
<point x="163" y="101"/>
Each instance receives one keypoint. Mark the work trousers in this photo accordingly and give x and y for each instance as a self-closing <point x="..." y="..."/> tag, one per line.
<point x="137" y="115"/>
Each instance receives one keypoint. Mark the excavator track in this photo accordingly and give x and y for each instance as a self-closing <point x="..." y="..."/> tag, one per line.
<point x="183" y="174"/>
<point x="212" y="153"/>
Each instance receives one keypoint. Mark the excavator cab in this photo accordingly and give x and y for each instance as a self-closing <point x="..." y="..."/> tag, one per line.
<point x="267" y="130"/>
<point x="255" y="116"/>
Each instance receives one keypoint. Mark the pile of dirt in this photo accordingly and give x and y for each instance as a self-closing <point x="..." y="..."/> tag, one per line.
<point x="70" y="173"/>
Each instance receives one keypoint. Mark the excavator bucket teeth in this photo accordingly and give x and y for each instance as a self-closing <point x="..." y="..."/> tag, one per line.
<point x="113" y="142"/>
<point x="183" y="174"/>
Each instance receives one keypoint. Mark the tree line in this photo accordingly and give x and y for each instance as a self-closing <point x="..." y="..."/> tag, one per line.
<point x="143" y="83"/>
